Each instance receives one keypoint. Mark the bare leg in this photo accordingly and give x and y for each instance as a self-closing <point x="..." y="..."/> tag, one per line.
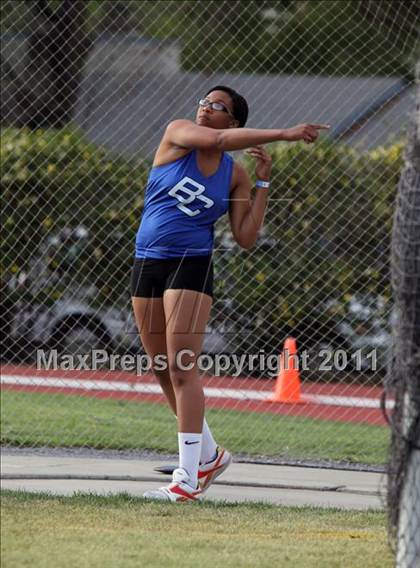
<point x="186" y="314"/>
<point x="150" y="320"/>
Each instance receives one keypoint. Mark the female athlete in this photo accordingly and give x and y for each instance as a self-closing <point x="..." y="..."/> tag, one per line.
<point x="193" y="181"/>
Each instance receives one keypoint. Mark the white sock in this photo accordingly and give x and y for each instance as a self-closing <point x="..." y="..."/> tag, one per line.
<point x="208" y="444"/>
<point x="189" y="454"/>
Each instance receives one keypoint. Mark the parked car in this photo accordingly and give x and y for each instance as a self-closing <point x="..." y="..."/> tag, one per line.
<point x="355" y="331"/>
<point x="51" y="306"/>
<point x="73" y="323"/>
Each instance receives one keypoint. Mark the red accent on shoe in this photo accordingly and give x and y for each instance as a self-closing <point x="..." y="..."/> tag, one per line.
<point x="175" y="488"/>
<point x="217" y="466"/>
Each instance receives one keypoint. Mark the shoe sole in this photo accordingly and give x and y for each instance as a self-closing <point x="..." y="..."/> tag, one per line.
<point x="148" y="495"/>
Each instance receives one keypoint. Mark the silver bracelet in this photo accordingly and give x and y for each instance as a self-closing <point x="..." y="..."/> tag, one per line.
<point x="262" y="184"/>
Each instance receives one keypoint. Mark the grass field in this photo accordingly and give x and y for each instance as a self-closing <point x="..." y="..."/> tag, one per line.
<point x="36" y="419"/>
<point x="122" y="531"/>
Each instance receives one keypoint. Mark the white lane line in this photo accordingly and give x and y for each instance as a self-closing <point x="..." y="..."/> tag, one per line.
<point x="237" y="394"/>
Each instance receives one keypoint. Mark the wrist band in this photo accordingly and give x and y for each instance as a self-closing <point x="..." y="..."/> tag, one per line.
<point x="262" y="184"/>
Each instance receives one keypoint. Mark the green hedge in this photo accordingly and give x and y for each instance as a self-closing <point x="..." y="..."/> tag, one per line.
<point x="53" y="179"/>
<point x="330" y="213"/>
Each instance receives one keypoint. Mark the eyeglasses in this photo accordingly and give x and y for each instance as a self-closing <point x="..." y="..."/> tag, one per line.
<point x="214" y="106"/>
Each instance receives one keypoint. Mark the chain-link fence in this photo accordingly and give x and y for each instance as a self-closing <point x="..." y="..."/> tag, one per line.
<point x="87" y="90"/>
<point x="403" y="379"/>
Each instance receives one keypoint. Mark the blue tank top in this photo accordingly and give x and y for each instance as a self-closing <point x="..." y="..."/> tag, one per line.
<point x="180" y="208"/>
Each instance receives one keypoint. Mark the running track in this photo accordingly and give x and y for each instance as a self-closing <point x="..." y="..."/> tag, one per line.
<point x="337" y="402"/>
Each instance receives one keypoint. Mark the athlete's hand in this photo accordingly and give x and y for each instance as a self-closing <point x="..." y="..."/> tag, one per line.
<point x="307" y="132"/>
<point x="264" y="162"/>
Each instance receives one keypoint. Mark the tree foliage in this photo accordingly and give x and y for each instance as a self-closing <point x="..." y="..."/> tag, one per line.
<point x="334" y="37"/>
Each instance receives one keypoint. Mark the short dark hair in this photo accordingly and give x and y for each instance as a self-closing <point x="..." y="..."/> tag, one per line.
<point x="240" y="106"/>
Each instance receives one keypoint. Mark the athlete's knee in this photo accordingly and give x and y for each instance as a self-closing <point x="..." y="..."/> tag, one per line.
<point x="180" y="375"/>
<point x="179" y="380"/>
<point x="162" y="375"/>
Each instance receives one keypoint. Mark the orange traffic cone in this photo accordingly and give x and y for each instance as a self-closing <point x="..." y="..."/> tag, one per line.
<point x="287" y="387"/>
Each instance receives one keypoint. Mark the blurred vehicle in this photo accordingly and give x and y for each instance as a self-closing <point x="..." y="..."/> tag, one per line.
<point x="54" y="301"/>
<point x="355" y="337"/>
<point x="351" y="333"/>
<point x="54" y="305"/>
<point x="367" y="327"/>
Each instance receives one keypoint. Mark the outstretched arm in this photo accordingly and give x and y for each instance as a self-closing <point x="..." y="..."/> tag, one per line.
<point x="187" y="134"/>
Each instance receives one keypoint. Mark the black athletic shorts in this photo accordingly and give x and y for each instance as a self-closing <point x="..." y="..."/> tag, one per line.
<point x="151" y="277"/>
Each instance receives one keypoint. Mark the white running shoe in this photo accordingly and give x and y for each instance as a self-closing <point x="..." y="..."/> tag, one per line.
<point x="208" y="472"/>
<point x="177" y="491"/>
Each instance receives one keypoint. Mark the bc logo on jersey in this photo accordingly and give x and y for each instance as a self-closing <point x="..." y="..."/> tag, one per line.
<point x="185" y="195"/>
